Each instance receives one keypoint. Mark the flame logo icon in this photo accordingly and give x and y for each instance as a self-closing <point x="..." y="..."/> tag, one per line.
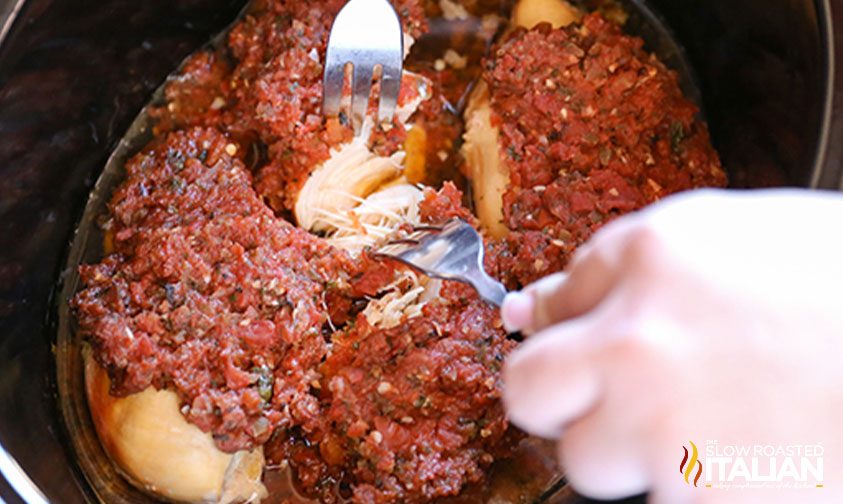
<point x="686" y="468"/>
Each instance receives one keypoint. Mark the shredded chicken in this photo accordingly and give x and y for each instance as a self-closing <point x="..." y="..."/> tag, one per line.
<point x="402" y="299"/>
<point x="376" y="218"/>
<point x="357" y="198"/>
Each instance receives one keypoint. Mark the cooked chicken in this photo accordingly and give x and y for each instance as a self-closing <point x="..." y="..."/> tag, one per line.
<point x="571" y="128"/>
<point x="136" y="430"/>
<point x="358" y="198"/>
<point x="529" y="13"/>
<point x="562" y="135"/>
<point x="487" y="171"/>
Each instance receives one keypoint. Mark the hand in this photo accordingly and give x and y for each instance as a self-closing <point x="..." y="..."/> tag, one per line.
<point x="712" y="316"/>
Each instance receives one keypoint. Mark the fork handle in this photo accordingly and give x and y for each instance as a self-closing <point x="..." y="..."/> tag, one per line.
<point x="489" y="289"/>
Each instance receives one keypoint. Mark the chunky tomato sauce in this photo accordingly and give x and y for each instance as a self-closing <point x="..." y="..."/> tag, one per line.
<point x="258" y="326"/>
<point x="265" y="90"/>
<point x="592" y="127"/>
<point x="209" y="294"/>
<point x="412" y="412"/>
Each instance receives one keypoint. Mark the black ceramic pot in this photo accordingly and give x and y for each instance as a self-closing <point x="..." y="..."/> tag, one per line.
<point x="74" y="73"/>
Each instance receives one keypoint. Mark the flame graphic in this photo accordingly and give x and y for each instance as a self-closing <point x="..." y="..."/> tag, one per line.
<point x="686" y="468"/>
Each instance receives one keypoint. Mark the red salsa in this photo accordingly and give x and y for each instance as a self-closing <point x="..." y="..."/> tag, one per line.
<point x="258" y="326"/>
<point x="252" y="322"/>
<point x="592" y="127"/>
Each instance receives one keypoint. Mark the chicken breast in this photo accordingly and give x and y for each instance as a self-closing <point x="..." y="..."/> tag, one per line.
<point x="559" y="13"/>
<point x="571" y="128"/>
<point x="136" y="431"/>
<point x="487" y="169"/>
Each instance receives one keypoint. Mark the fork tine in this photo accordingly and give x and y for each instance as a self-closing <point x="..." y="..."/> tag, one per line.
<point x="394" y="249"/>
<point x="419" y="233"/>
<point x="428" y="227"/>
<point x="390" y="88"/>
<point x="404" y="241"/>
<point x="453" y="252"/>
<point x="361" y="92"/>
<point x="332" y="84"/>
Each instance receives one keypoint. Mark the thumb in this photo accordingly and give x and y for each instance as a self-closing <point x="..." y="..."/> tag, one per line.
<point x="559" y="297"/>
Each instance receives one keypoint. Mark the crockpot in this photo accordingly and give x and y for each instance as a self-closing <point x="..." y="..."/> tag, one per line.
<point x="73" y="75"/>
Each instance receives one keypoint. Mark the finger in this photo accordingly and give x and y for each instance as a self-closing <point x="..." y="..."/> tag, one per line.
<point x="558" y="297"/>
<point x="550" y="379"/>
<point x="518" y="309"/>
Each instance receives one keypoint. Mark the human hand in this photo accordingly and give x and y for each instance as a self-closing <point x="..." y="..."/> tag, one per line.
<point x="712" y="316"/>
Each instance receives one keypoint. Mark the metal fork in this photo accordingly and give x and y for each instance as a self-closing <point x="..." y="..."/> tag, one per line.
<point x="367" y="35"/>
<point x="451" y="252"/>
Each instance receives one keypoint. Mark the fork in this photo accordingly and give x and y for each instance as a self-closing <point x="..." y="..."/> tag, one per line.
<point x="450" y="252"/>
<point x="366" y="35"/>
